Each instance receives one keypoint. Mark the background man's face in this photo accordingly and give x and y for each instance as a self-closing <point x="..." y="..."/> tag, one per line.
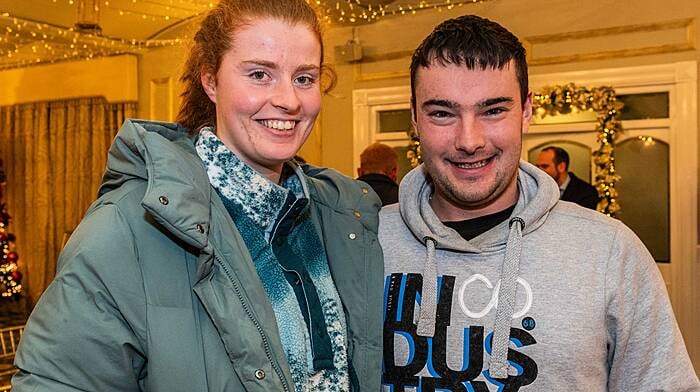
<point x="470" y="124"/>
<point x="545" y="161"/>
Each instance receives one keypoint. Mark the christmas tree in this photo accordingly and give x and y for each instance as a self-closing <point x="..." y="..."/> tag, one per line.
<point x="10" y="277"/>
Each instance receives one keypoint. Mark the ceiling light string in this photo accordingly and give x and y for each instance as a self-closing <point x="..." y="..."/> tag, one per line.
<point x="24" y="42"/>
<point x="349" y="12"/>
<point x="170" y="11"/>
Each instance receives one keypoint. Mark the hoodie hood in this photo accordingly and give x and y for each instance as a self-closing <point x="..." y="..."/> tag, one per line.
<point x="538" y="194"/>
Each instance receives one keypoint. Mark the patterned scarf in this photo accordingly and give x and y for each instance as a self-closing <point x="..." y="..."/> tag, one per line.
<point x="257" y="206"/>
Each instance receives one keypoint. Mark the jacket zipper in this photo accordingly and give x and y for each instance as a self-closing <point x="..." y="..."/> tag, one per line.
<point x="266" y="344"/>
<point x="308" y="309"/>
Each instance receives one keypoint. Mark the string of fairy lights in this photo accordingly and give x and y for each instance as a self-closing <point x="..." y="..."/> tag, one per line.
<point x="25" y="42"/>
<point x="363" y="11"/>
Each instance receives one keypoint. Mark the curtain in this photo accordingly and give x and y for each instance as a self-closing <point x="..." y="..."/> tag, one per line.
<point x="54" y="155"/>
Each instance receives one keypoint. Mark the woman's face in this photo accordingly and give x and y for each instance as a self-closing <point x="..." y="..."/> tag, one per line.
<point x="267" y="92"/>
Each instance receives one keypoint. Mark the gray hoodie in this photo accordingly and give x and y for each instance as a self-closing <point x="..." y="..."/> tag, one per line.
<point x="556" y="298"/>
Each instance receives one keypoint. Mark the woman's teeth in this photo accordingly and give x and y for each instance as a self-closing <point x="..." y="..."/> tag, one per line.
<point x="278" y="124"/>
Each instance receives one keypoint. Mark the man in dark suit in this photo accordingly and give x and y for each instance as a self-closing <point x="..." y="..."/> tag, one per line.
<point x="555" y="162"/>
<point x="378" y="168"/>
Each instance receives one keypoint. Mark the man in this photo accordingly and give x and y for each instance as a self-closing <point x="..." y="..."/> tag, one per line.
<point x="378" y="168"/>
<point x="555" y="162"/>
<point x="491" y="282"/>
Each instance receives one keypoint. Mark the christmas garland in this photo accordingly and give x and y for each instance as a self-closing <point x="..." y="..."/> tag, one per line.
<point x="555" y="100"/>
<point x="413" y="154"/>
<point x="565" y="99"/>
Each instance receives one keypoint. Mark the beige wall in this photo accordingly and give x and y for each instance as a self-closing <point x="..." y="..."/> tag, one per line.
<point x="114" y="78"/>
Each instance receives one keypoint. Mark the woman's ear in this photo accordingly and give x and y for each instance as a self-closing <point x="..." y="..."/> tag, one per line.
<point x="208" y="81"/>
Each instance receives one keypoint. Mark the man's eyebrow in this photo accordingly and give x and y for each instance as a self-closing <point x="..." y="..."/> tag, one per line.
<point x="455" y="106"/>
<point x="494" y="101"/>
<point x="441" y="102"/>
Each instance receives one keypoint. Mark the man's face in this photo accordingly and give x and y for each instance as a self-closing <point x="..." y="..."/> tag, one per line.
<point x="470" y="124"/>
<point x="545" y="161"/>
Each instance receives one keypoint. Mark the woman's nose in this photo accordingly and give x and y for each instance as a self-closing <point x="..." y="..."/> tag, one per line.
<point x="286" y="98"/>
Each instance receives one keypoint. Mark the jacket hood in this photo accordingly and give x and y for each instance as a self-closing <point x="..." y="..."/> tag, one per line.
<point x="538" y="193"/>
<point x="178" y="194"/>
<point x="163" y="155"/>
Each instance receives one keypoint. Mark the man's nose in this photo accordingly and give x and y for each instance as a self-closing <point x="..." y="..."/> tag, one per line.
<point x="470" y="135"/>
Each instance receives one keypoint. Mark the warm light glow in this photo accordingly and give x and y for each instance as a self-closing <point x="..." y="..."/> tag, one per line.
<point x="648" y="140"/>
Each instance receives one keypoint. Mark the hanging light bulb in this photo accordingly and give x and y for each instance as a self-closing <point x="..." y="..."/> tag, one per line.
<point x="88" y="17"/>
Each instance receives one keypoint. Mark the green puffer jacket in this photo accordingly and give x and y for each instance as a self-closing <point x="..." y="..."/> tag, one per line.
<point x="156" y="291"/>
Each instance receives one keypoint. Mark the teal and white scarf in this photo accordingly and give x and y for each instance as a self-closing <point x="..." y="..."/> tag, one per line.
<point x="256" y="205"/>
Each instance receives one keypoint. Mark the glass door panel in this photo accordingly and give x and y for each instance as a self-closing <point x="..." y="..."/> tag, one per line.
<point x="643" y="164"/>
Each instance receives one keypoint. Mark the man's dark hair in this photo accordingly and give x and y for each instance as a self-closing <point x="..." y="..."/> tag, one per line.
<point x="471" y="41"/>
<point x="560" y="155"/>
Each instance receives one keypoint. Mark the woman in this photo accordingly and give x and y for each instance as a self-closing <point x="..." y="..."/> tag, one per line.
<point x="211" y="261"/>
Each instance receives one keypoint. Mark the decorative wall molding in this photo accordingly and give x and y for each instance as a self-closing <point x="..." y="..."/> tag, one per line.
<point x="619" y="41"/>
<point x="595" y="44"/>
<point x="161" y="99"/>
<point x="359" y="76"/>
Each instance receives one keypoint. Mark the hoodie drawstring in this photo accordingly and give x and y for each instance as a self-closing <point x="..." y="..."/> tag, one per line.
<point x="498" y="367"/>
<point x="428" y="304"/>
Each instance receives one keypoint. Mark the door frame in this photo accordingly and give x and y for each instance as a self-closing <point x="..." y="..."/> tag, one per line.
<point x="366" y="104"/>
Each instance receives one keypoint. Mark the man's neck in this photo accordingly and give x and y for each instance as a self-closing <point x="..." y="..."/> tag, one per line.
<point x="563" y="179"/>
<point x="448" y="210"/>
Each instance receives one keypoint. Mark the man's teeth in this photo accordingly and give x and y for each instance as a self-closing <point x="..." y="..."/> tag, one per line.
<point x="279" y="124"/>
<point x="474" y="165"/>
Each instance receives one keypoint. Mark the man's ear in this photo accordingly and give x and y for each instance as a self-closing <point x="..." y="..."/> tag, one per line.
<point x="208" y="81"/>
<point x="561" y="167"/>
<point x="393" y="173"/>
<point x="527" y="112"/>
<point x="414" y="116"/>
